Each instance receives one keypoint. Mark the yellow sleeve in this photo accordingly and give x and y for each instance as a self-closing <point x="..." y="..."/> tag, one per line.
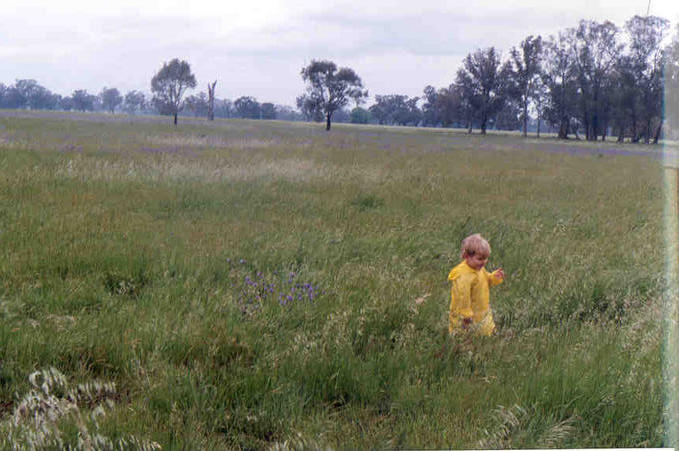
<point x="492" y="280"/>
<point x="461" y="296"/>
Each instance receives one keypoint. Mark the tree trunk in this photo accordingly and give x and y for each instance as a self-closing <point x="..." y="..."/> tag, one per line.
<point x="211" y="101"/>
<point x="656" y="135"/>
<point x="563" y="129"/>
<point x="175" y="119"/>
<point x="538" y="135"/>
<point x="327" y="122"/>
<point x="525" y="119"/>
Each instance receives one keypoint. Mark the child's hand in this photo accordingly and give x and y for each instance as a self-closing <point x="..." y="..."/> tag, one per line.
<point x="499" y="274"/>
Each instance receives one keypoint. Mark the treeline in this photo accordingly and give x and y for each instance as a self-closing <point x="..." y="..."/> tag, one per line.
<point x="29" y="94"/>
<point x="588" y="81"/>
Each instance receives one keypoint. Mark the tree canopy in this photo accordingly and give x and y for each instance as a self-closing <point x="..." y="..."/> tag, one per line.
<point x="169" y="86"/>
<point x="329" y="89"/>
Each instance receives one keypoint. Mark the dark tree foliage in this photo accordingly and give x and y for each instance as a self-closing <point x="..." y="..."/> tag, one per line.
<point x="110" y="99"/>
<point x="169" y="86"/>
<point x="268" y="111"/>
<point x="328" y="89"/>
<point x="224" y="108"/>
<point x="396" y="109"/>
<point x="198" y="104"/>
<point x="247" y="108"/>
<point x="594" y="48"/>
<point x="360" y="115"/>
<point x="559" y="76"/>
<point x="484" y="84"/>
<point x="82" y="100"/>
<point x="525" y="75"/>
<point x="287" y="113"/>
<point x="134" y="102"/>
<point x="28" y="94"/>
<point x="642" y="65"/>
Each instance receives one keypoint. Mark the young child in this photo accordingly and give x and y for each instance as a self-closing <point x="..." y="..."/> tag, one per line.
<point x="469" y="292"/>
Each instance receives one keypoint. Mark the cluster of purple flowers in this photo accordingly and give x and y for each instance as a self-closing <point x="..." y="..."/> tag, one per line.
<point x="256" y="288"/>
<point x="297" y="291"/>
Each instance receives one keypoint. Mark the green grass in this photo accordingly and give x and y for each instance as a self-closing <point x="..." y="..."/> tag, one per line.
<point x="164" y="260"/>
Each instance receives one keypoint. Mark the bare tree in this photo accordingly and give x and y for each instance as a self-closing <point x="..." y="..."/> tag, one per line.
<point x="211" y="101"/>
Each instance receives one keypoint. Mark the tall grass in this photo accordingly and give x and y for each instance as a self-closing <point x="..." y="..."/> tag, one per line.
<point x="253" y="284"/>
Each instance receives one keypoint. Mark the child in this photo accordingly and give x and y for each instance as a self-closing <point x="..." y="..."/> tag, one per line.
<point x="469" y="293"/>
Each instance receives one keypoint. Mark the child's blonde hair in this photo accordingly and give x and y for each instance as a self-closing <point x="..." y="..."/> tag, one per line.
<point x="474" y="244"/>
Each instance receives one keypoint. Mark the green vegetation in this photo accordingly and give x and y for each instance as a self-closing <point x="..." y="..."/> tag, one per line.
<point x="247" y="284"/>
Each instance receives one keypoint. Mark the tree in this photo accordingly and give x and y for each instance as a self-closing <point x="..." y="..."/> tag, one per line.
<point x="526" y="73"/>
<point x="329" y="89"/>
<point x="268" y="111"/>
<point x="134" y="102"/>
<point x="644" y="69"/>
<point x="484" y="84"/>
<point x="110" y="99"/>
<point x="672" y="86"/>
<point x="396" y="109"/>
<point x="311" y="109"/>
<point x="594" y="48"/>
<point x="66" y="103"/>
<point x="211" y="101"/>
<point x="247" y="107"/>
<point x="198" y="104"/>
<point x="82" y="100"/>
<point x="169" y="86"/>
<point x="223" y="108"/>
<point x="430" y="116"/>
<point x="287" y="113"/>
<point x="559" y="76"/>
<point x="360" y="116"/>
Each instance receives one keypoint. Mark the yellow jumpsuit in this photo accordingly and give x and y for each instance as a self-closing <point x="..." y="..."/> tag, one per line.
<point x="470" y="298"/>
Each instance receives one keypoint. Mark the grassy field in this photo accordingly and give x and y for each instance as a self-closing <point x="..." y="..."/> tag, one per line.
<point x="254" y="284"/>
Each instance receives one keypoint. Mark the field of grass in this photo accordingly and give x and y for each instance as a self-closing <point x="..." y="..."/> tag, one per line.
<point x="254" y="284"/>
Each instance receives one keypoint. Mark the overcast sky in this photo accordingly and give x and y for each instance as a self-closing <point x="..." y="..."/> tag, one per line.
<point x="258" y="47"/>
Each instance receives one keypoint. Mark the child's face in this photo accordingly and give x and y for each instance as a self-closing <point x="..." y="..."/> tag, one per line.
<point x="476" y="261"/>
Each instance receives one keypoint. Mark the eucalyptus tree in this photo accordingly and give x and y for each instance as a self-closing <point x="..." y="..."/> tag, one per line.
<point x="198" y="104"/>
<point x="110" y="99"/>
<point x="82" y="100"/>
<point x="595" y="48"/>
<point x="329" y="89"/>
<point x="134" y="101"/>
<point x="169" y="86"/>
<point x="644" y="65"/>
<point x="484" y="81"/>
<point x="268" y="110"/>
<point x="247" y="107"/>
<point x="526" y="69"/>
<point x="672" y="85"/>
<point x="559" y="78"/>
